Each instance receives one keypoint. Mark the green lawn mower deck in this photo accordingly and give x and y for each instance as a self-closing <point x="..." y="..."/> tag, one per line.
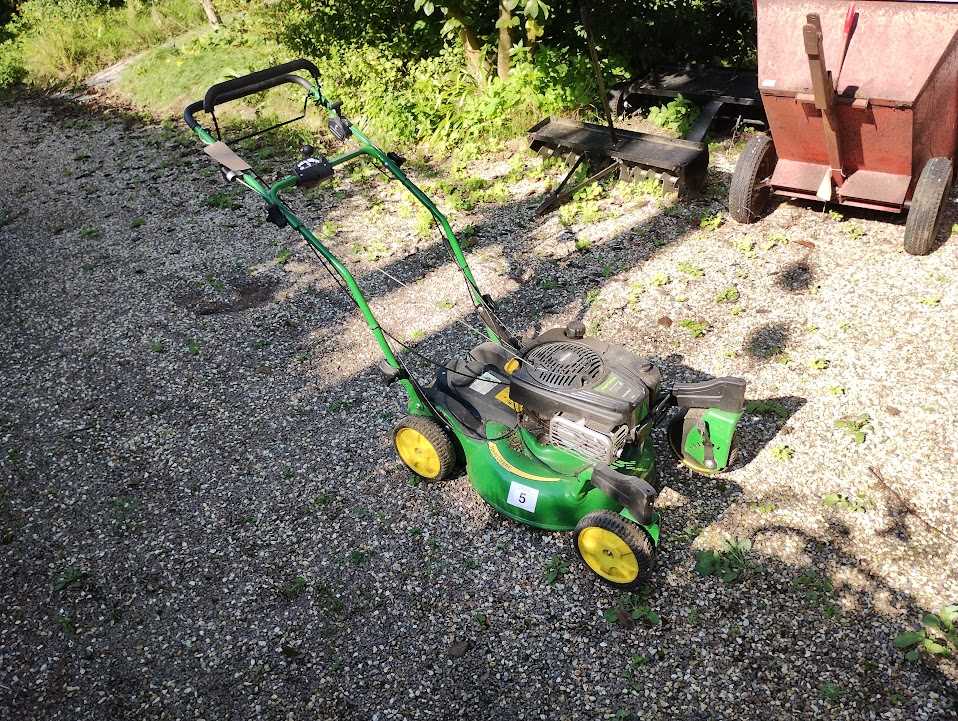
<point x="553" y="431"/>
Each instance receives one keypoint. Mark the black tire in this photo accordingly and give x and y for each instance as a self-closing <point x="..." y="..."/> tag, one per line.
<point x="434" y="468"/>
<point x="630" y="534"/>
<point x="924" y="216"/>
<point x="749" y="193"/>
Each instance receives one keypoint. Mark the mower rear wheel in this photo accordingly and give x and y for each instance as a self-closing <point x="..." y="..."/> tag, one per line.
<point x="924" y="216"/>
<point x="750" y="190"/>
<point x="615" y="549"/>
<point x="425" y="447"/>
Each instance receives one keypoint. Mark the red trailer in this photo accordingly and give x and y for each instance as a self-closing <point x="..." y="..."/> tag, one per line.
<point x="862" y="105"/>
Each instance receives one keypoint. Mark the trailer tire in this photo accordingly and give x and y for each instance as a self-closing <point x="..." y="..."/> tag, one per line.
<point x="924" y="216"/>
<point x="749" y="193"/>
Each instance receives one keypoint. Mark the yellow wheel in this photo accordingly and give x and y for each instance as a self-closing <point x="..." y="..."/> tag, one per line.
<point x="615" y="549"/>
<point x="424" y="447"/>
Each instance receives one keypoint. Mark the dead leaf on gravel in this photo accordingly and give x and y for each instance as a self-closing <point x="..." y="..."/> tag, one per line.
<point x="665" y="321"/>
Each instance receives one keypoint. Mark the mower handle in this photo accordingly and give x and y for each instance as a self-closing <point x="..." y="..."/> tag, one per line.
<point x="251" y="84"/>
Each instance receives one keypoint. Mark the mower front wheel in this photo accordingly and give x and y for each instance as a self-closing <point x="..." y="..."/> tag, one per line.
<point x="615" y="549"/>
<point x="750" y="190"/>
<point x="424" y="447"/>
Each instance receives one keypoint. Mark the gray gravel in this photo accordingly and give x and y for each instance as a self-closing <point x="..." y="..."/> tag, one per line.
<point x="202" y="517"/>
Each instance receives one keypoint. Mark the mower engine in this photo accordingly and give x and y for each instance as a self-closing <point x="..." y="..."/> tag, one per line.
<point x="592" y="396"/>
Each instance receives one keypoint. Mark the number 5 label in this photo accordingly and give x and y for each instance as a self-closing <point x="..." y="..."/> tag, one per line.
<point x="524" y="497"/>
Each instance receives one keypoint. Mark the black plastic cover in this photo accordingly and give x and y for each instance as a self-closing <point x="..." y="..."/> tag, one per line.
<point x="631" y="491"/>
<point x="727" y="394"/>
<point x="313" y="170"/>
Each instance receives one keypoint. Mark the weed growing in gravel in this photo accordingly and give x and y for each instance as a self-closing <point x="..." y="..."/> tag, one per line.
<point x="337" y="406"/>
<point x="745" y="246"/>
<point x="555" y="570"/>
<point x="137" y="223"/>
<point x="5" y="217"/>
<point x="696" y="328"/>
<point x="853" y="230"/>
<point x="819" y="364"/>
<point x="860" y="503"/>
<point x="69" y="576"/>
<point x="937" y="636"/>
<point x="89" y="233"/>
<point x="855" y="426"/>
<point x="660" y="279"/>
<point x="635" y="290"/>
<point x="424" y="222"/>
<point x="690" y="269"/>
<point x="444" y="304"/>
<point x="835" y="216"/>
<point x="634" y="674"/>
<point x="686" y="535"/>
<point x="417" y="335"/>
<point x="283" y="256"/>
<point x="327" y="230"/>
<point x="783" y="453"/>
<point x="711" y="221"/>
<point x="548" y="284"/>
<point x="592" y="296"/>
<point x="222" y="200"/>
<point x="66" y="625"/>
<point x="293" y="589"/>
<point x="215" y="283"/>
<point x="773" y="240"/>
<point x="583" y="244"/>
<point x="818" y="590"/>
<point x="193" y="347"/>
<point x="158" y="346"/>
<point x="931" y="300"/>
<point x="632" y="608"/>
<point x="837" y="390"/>
<point x="731" y="563"/>
<point x="729" y="295"/>
<point x="359" y="557"/>
<point x="766" y="408"/>
<point x="260" y="344"/>
<point x="831" y="691"/>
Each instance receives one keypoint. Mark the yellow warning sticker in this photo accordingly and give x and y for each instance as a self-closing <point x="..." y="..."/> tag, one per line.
<point x="503" y="397"/>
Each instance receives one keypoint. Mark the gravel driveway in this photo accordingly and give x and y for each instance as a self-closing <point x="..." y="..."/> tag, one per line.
<point x="202" y="518"/>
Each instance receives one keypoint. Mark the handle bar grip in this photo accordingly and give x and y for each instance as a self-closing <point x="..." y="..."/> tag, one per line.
<point x="255" y="82"/>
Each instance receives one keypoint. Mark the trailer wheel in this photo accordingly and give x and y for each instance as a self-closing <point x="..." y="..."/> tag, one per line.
<point x="924" y="216"/>
<point x="748" y="196"/>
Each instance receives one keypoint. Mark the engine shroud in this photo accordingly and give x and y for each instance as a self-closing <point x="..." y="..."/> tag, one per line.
<point x="585" y="379"/>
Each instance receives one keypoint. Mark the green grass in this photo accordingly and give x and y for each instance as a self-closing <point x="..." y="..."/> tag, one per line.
<point x="67" y="46"/>
<point x="166" y="78"/>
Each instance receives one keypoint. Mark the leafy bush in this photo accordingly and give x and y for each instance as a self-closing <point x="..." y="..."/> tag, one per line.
<point x="676" y="116"/>
<point x="313" y="27"/>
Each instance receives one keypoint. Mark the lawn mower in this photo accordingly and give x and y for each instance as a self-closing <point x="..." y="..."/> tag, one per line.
<point x="554" y="430"/>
